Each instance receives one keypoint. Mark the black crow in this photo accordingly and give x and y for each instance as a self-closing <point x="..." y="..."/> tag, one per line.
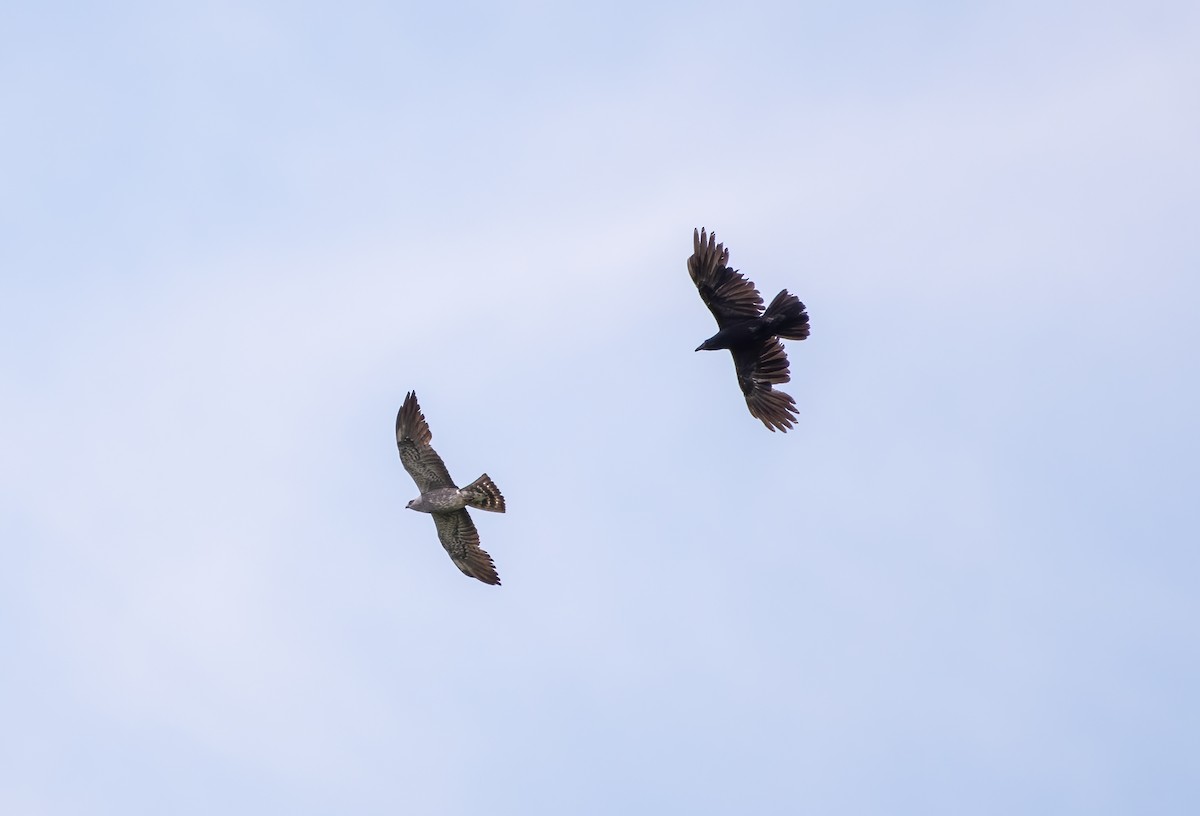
<point x="750" y="334"/>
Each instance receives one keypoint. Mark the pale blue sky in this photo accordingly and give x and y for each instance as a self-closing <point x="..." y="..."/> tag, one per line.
<point x="234" y="235"/>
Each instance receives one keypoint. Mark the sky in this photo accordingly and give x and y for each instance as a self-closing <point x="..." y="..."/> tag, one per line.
<point x="234" y="235"/>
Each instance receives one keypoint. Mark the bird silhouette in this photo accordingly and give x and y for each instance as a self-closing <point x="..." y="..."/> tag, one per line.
<point x="751" y="334"/>
<point x="444" y="500"/>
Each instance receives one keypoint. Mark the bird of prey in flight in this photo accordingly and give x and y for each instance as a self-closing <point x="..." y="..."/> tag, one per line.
<point x="444" y="500"/>
<point x="751" y="335"/>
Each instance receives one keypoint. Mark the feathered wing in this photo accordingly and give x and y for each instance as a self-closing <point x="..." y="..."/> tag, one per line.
<point x="726" y="293"/>
<point x="759" y="369"/>
<point x="418" y="457"/>
<point x="458" y="535"/>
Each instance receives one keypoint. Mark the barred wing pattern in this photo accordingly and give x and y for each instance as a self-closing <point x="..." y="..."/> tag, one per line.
<point x="458" y="535"/>
<point x="412" y="438"/>
<point x="455" y="528"/>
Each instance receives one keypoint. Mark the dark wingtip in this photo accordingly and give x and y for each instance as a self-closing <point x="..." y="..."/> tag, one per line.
<point x="410" y="421"/>
<point x="775" y="409"/>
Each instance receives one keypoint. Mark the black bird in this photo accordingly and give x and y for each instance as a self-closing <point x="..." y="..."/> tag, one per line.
<point x="444" y="500"/>
<point x="751" y="335"/>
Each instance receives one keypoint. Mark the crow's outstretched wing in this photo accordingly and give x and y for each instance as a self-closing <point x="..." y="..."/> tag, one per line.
<point x="728" y="295"/>
<point x="460" y="538"/>
<point x="759" y="368"/>
<point x="419" y="459"/>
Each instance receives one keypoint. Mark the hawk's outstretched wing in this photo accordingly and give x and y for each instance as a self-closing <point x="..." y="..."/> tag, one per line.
<point x="460" y="538"/>
<point x="758" y="369"/>
<point x="412" y="438"/>
<point x="728" y="295"/>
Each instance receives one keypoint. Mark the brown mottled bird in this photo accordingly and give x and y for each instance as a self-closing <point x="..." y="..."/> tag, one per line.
<point x="751" y="335"/>
<point x="444" y="500"/>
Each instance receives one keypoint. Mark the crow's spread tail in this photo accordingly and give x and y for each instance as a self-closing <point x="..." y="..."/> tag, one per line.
<point x="787" y="316"/>
<point x="483" y="494"/>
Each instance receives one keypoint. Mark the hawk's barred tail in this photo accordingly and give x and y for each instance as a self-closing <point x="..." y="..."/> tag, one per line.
<point x="483" y="494"/>
<point x="788" y="315"/>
